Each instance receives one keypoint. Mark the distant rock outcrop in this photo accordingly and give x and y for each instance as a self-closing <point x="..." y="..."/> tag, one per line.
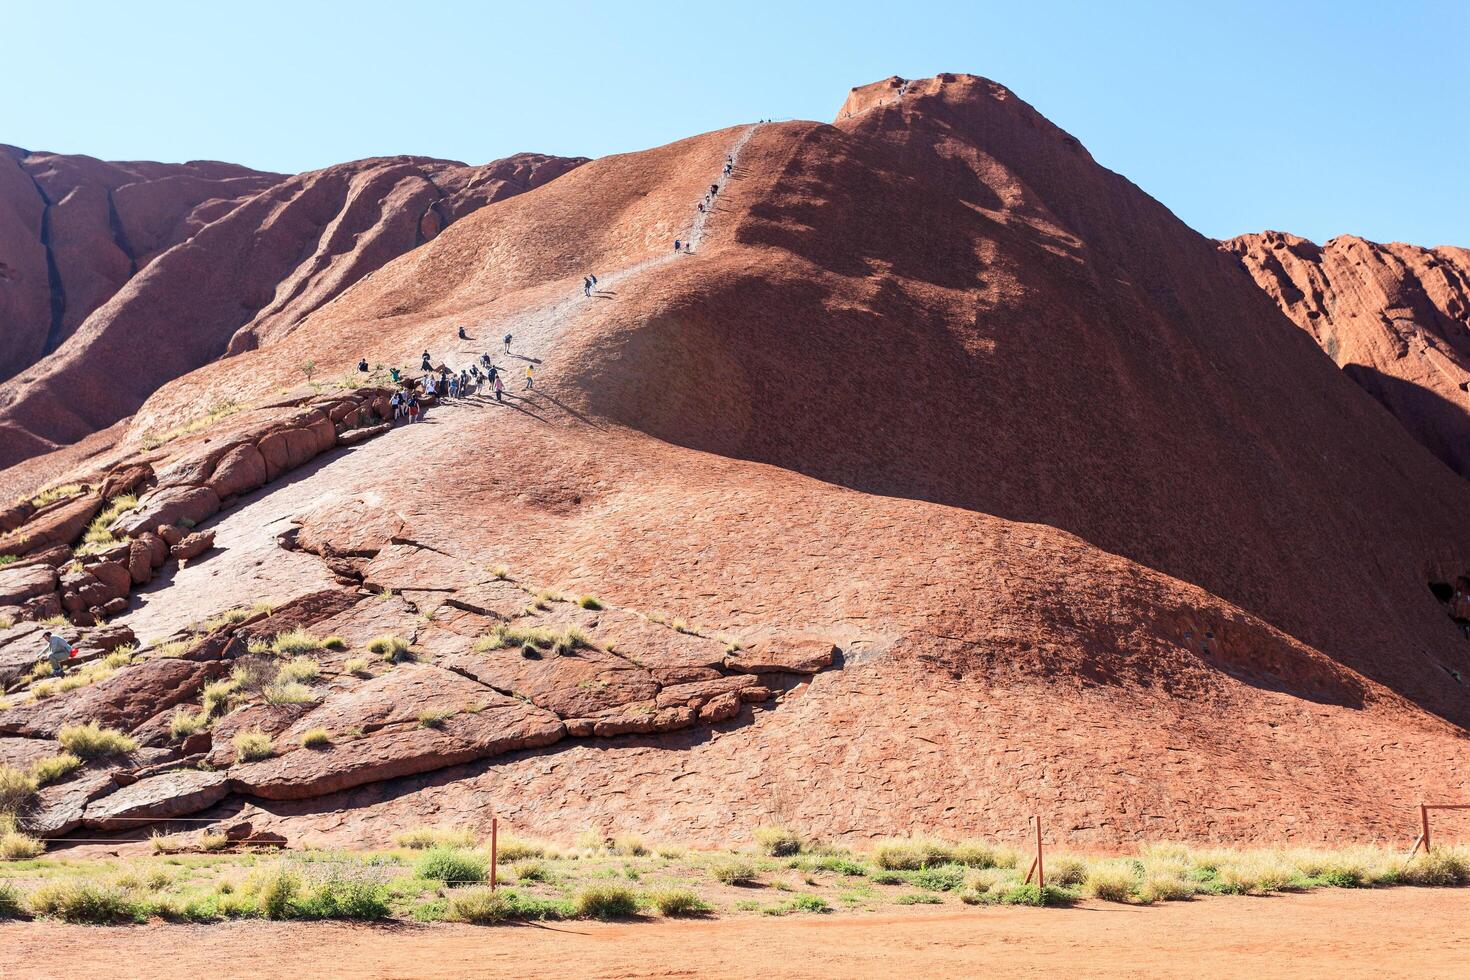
<point x="116" y="278"/>
<point x="1395" y="318"/>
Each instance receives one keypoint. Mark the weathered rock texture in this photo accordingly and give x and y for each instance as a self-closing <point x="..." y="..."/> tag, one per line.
<point x="1395" y="318"/>
<point x="115" y="278"/>
<point x="1080" y="520"/>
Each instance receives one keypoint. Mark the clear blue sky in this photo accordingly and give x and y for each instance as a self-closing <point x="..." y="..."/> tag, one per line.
<point x="1314" y="117"/>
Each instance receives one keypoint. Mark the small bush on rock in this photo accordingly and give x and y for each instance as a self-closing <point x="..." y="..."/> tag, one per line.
<point x="252" y="745"/>
<point x="57" y="767"/>
<point x="316" y="738"/>
<point x="390" y="648"/>
<point x="17" y="789"/>
<point x="92" y="741"/>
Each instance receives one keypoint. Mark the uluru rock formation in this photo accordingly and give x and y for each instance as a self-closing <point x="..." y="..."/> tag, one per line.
<point x="119" y="277"/>
<point x="943" y="478"/>
<point x="1395" y="318"/>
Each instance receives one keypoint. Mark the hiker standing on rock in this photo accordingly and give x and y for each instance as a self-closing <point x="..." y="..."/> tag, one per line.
<point x="499" y="388"/>
<point x="362" y="365"/>
<point x="393" y="373"/>
<point x="57" y="651"/>
<point x="530" y="377"/>
<point x="396" y="403"/>
<point x="586" y="286"/>
<point x="494" y="374"/>
<point x="428" y="362"/>
<point x="413" y="407"/>
<point x="462" y="334"/>
<point x="677" y="245"/>
<point x="507" y="343"/>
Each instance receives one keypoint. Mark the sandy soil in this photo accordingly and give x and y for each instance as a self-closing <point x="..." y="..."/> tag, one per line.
<point x="1391" y="933"/>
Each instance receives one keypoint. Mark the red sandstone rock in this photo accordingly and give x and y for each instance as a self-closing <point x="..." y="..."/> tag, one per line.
<point x="19" y="584"/>
<point x="59" y="808"/>
<point x="168" y="534"/>
<point x="193" y="545"/>
<point x="1395" y="318"/>
<point x="56" y="525"/>
<point x="123" y="701"/>
<point x="386" y="709"/>
<point x="157" y="547"/>
<point x="168" y="506"/>
<point x="798" y="655"/>
<point x="115" y="578"/>
<point x="140" y="560"/>
<point x="170" y="794"/>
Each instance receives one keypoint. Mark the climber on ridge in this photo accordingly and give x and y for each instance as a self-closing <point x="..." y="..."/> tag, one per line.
<point x="530" y="377"/>
<point x="57" y="651"/>
<point x="586" y="286"/>
<point x="507" y="343"/>
<point x="428" y="362"/>
<point x="362" y="365"/>
<point x="677" y="245"/>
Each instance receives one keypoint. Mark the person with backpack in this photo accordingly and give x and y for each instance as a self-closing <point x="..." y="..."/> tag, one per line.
<point x="396" y="403"/>
<point x="507" y="343"/>
<point x="586" y="286"/>
<point x="462" y="334"/>
<point x="678" y="245"/>
<point x="413" y="407"/>
<point x="530" y="377"/>
<point x="499" y="388"/>
<point x="362" y="365"/>
<point x="57" y="651"/>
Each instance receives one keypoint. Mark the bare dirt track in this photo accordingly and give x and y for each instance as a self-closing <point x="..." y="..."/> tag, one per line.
<point x="1402" y="932"/>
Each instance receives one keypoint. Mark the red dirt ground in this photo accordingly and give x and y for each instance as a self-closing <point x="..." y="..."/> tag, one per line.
<point x="1405" y="932"/>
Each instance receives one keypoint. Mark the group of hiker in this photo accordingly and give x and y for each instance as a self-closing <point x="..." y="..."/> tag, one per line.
<point x="589" y="283"/>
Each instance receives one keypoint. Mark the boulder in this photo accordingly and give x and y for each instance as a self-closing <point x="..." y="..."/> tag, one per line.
<point x="276" y="454"/>
<point x="356" y="437"/>
<point x="140" y="559"/>
<point x="26" y="582"/>
<point x="157" y="547"/>
<point x="126" y="479"/>
<point x="15" y="515"/>
<point x="580" y="684"/>
<point x="59" y="809"/>
<point x="115" y="578"/>
<point x="123" y="701"/>
<point x="193" y="545"/>
<point x="44" y="606"/>
<point x="239" y="471"/>
<point x="161" y="797"/>
<point x="720" y="707"/>
<point x="168" y="506"/>
<point x="59" y="524"/>
<point x="22" y="753"/>
<point x="169" y="535"/>
<point x="82" y="590"/>
<point x="478" y="723"/>
<point x="796" y="655"/>
<point x="696" y="694"/>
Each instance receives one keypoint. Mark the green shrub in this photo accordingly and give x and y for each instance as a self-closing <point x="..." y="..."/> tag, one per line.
<point x="316" y="738"/>
<point x="292" y="693"/>
<point x="590" y="602"/>
<point x="15" y="846"/>
<point x="92" y="741"/>
<point x="299" y="670"/>
<point x="480" y="906"/>
<point x="911" y="853"/>
<point x="777" y="841"/>
<point x="294" y="642"/>
<point x="1443" y="866"/>
<point x="809" y="903"/>
<point x="390" y="648"/>
<point x="1165" y="886"/>
<point x="423" y="838"/>
<point x="1066" y="872"/>
<point x="252" y="745"/>
<point x="509" y="850"/>
<point x="606" y="902"/>
<point x="217" y="697"/>
<point x="17" y="789"/>
<point x="629" y="845"/>
<point x="979" y="854"/>
<point x="840" y="865"/>
<point x="532" y="870"/>
<point x="1111" y="882"/>
<point x="1019" y="894"/>
<point x="52" y="769"/>
<point x="452" y="866"/>
<point x="273" y="889"/>
<point x="944" y="878"/>
<point x="342" y="898"/>
<point x="918" y="898"/>
<point x="185" y="722"/>
<point x="677" y="902"/>
<point x="735" y="871"/>
<point x="11" y="905"/>
<point x="84" y="902"/>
